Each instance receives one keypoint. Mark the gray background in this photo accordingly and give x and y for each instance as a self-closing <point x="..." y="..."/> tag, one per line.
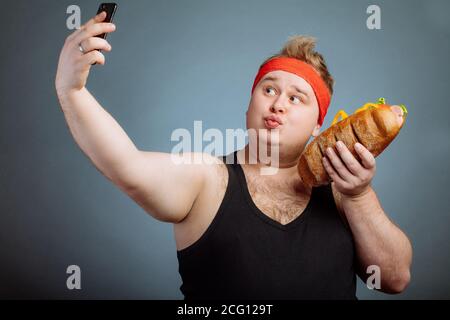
<point x="174" y="62"/>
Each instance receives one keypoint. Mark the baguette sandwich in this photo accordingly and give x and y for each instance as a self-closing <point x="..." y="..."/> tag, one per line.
<point x="374" y="125"/>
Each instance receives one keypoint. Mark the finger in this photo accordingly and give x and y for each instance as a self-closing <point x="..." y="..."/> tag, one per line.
<point x="367" y="158"/>
<point x="71" y="36"/>
<point x="332" y="172"/>
<point x="95" y="30"/>
<point x="349" y="159"/>
<point x="338" y="165"/>
<point x="94" y="43"/>
<point x="92" y="57"/>
<point x="98" y="18"/>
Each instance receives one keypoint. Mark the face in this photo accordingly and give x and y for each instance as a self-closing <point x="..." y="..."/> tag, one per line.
<point x="284" y="97"/>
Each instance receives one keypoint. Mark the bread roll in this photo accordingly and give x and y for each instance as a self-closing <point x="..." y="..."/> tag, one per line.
<point x="374" y="127"/>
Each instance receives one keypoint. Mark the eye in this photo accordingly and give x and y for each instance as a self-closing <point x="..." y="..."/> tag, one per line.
<point x="270" y="91"/>
<point x="295" y="99"/>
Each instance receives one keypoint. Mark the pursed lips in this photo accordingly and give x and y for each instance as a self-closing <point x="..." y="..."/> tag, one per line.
<point x="272" y="121"/>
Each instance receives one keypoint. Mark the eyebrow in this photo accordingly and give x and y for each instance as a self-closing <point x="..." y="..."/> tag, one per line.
<point x="269" y="78"/>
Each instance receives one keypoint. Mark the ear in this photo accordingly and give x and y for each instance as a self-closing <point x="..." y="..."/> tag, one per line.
<point x="316" y="130"/>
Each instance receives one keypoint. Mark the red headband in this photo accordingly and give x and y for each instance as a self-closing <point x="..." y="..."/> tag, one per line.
<point x="303" y="70"/>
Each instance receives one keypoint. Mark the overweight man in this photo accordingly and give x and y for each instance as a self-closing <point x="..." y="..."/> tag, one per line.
<point x="241" y="234"/>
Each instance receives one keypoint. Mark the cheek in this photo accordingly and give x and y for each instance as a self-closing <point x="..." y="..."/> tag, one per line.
<point x="259" y="100"/>
<point x="302" y="116"/>
<point x="303" y="121"/>
<point x="255" y="109"/>
<point x="250" y="116"/>
<point x="257" y="104"/>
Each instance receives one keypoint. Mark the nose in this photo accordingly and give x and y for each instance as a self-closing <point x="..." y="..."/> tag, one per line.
<point x="277" y="107"/>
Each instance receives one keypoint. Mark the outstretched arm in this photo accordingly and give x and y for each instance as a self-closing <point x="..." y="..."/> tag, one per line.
<point x="164" y="187"/>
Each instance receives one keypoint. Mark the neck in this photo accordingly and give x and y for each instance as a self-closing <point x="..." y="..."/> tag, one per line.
<point x="287" y="171"/>
<point x="286" y="164"/>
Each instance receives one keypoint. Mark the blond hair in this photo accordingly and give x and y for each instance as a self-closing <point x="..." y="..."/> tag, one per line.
<point x="302" y="48"/>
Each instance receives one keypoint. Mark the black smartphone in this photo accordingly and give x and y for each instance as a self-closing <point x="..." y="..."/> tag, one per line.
<point x="110" y="9"/>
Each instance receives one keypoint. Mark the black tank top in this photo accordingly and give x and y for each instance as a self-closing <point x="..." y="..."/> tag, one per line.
<point x="244" y="254"/>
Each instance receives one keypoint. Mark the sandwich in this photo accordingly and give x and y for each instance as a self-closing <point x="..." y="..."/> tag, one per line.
<point x="374" y="125"/>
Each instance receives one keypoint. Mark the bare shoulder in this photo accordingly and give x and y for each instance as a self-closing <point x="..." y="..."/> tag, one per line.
<point x="206" y="205"/>
<point x="166" y="185"/>
<point x="215" y="184"/>
<point x="215" y="180"/>
<point x="218" y="172"/>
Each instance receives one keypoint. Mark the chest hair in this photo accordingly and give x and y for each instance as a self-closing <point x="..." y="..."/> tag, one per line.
<point x="283" y="200"/>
